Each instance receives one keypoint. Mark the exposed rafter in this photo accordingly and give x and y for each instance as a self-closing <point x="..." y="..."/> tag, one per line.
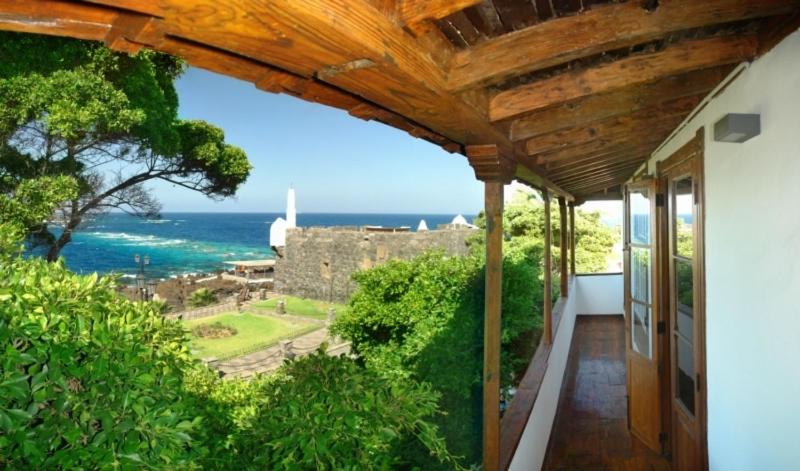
<point x="600" y="29"/>
<point x="618" y="103"/>
<point x="630" y="71"/>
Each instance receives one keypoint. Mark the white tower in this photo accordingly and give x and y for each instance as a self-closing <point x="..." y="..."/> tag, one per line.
<point x="422" y="226"/>
<point x="291" y="210"/>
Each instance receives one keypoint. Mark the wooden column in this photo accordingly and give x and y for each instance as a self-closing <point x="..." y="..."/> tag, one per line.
<point x="564" y="231"/>
<point x="547" y="335"/>
<point x="494" y="170"/>
<point x="572" y="237"/>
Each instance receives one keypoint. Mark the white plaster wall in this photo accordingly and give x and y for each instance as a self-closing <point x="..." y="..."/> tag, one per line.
<point x="607" y="290"/>
<point x="752" y="193"/>
<point x="599" y="294"/>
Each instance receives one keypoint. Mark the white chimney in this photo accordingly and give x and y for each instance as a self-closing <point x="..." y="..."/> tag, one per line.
<point x="291" y="210"/>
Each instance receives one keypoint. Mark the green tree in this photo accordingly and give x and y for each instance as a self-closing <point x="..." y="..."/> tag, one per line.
<point x="27" y="204"/>
<point x="422" y="320"/>
<point x="108" y="120"/>
<point x="523" y="222"/>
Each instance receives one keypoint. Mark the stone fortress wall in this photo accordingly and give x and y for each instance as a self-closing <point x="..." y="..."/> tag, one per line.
<point x="317" y="262"/>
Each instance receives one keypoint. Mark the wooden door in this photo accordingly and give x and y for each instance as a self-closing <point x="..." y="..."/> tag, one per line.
<point x="642" y="314"/>
<point x="682" y="177"/>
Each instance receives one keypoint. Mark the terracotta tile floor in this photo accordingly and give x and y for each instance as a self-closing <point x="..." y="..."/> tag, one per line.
<point x="590" y="430"/>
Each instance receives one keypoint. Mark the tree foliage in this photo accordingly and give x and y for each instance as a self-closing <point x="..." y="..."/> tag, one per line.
<point x="523" y="222"/>
<point x="422" y="320"/>
<point x="319" y="412"/>
<point x="107" y="119"/>
<point x="89" y="380"/>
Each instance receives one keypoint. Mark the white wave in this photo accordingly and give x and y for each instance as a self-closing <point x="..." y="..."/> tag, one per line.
<point x="137" y="239"/>
<point x="157" y="221"/>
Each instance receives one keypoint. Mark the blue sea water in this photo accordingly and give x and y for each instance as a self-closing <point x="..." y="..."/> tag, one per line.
<point x="183" y="243"/>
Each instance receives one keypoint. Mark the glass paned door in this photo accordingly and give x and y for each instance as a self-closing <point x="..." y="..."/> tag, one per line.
<point x="682" y="176"/>
<point x="682" y="294"/>
<point x="641" y="311"/>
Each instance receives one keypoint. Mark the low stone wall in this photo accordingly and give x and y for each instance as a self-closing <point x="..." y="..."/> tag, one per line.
<point x="317" y="262"/>
<point x="202" y="312"/>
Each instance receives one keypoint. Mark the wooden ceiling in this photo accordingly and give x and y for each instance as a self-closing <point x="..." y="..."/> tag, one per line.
<point x="576" y="93"/>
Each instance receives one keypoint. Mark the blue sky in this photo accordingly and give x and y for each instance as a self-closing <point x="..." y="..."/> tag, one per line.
<point x="336" y="163"/>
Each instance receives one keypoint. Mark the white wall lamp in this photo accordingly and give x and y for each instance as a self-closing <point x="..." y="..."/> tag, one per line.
<point x="737" y="127"/>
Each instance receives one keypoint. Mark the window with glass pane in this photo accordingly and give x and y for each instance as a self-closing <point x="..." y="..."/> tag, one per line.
<point x="685" y="372"/>
<point x="640" y="274"/>
<point x="684" y="200"/>
<point x="684" y="294"/>
<point x="640" y="329"/>
<point x="640" y="217"/>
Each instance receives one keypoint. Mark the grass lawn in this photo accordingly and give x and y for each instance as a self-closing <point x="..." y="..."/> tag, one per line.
<point x="253" y="333"/>
<point x="303" y="307"/>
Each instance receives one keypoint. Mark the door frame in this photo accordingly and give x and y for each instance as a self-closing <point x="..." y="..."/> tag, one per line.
<point x="689" y="159"/>
<point x="658" y="353"/>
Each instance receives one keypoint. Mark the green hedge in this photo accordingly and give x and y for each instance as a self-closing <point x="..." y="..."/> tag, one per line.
<point x="89" y="380"/>
<point x="422" y="320"/>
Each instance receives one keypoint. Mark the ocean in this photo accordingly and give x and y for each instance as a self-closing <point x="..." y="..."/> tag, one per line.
<point x="188" y="243"/>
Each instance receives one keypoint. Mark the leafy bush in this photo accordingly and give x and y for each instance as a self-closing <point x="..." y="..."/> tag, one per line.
<point x="422" y="320"/>
<point x="202" y="297"/>
<point x="87" y="379"/>
<point x="318" y="412"/>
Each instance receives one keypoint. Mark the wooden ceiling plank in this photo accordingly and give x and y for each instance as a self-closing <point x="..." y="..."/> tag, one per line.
<point x="600" y="29"/>
<point x="596" y="171"/>
<point x="669" y="114"/>
<point x="147" y="7"/>
<point x="627" y="72"/>
<point x="602" y="159"/>
<point x="410" y="12"/>
<point x="618" y="103"/>
<point x="602" y="185"/>
<point x="590" y="186"/>
<point x="515" y="14"/>
<point x="60" y="18"/>
<point x="581" y="153"/>
<point x="484" y="17"/>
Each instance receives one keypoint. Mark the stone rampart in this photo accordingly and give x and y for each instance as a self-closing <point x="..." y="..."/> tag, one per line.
<point x="317" y="262"/>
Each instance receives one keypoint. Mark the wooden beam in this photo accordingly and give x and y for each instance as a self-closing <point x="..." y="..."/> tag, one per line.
<point x="415" y="11"/>
<point x="602" y="158"/>
<point x="56" y="18"/>
<point x="618" y="103"/>
<point x="600" y="29"/>
<point x="619" y="126"/>
<point x="494" y="169"/>
<point x="547" y="311"/>
<point x="493" y="200"/>
<point x="600" y="147"/>
<point x="630" y="71"/>
<point x="568" y="176"/>
<point x="564" y="249"/>
<point x="626" y="134"/>
<point x="148" y="7"/>
<point x="599" y="184"/>
<point x="572" y="237"/>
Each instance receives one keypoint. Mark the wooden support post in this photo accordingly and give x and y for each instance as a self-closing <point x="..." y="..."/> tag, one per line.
<point x="494" y="170"/>
<point x="564" y="252"/>
<point x="572" y="237"/>
<point x="547" y="336"/>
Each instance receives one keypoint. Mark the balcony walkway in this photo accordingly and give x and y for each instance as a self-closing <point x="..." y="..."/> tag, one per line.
<point x="590" y="430"/>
